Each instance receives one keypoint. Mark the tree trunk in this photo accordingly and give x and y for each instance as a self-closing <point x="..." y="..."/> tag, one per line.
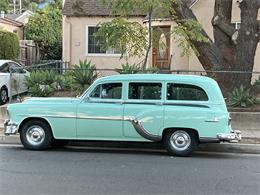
<point x="233" y="49"/>
<point x="149" y="40"/>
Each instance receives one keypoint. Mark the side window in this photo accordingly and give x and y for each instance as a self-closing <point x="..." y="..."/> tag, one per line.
<point x="185" y="92"/>
<point x="107" y="91"/>
<point x="145" y="91"/>
<point x="5" y="68"/>
<point x="15" y="68"/>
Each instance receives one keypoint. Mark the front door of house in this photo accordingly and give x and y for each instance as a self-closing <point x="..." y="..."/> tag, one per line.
<point x="161" y="51"/>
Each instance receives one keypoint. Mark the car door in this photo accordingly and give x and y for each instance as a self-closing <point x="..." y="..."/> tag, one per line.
<point x="144" y="103"/>
<point x="100" y="114"/>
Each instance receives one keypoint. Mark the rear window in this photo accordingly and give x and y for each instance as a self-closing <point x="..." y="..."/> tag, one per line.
<point x="185" y="92"/>
<point x="145" y="91"/>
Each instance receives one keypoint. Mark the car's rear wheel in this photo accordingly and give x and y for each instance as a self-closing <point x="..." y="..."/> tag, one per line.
<point x="180" y="142"/>
<point x="36" y="135"/>
<point x="3" y="95"/>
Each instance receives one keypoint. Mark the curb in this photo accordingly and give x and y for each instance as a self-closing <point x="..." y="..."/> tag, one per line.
<point x="245" y="148"/>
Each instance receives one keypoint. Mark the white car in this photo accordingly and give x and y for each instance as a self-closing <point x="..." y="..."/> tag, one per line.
<point x="11" y="84"/>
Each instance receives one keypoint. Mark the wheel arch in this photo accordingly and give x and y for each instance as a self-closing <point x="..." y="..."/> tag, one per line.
<point x="33" y="118"/>
<point x="179" y="128"/>
<point x="5" y="87"/>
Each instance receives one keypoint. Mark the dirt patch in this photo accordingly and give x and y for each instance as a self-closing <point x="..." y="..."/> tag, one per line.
<point x="255" y="108"/>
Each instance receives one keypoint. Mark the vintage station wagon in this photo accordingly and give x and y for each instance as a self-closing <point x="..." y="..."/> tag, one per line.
<point x="180" y="111"/>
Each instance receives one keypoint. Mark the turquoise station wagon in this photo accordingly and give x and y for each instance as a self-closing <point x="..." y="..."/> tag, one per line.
<point x="180" y="111"/>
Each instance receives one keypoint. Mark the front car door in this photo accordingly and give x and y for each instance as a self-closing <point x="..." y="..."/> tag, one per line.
<point x="144" y="104"/>
<point x="100" y="114"/>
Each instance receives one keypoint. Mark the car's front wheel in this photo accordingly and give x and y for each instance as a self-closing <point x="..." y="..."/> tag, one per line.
<point x="180" y="142"/>
<point x="36" y="135"/>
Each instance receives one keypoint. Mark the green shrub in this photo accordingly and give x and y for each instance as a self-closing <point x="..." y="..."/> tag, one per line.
<point x="135" y="69"/>
<point x="241" y="97"/>
<point x="152" y="70"/>
<point x="41" y="83"/>
<point x="128" y="69"/>
<point x="9" y="45"/>
<point x="83" y="75"/>
<point x="65" y="81"/>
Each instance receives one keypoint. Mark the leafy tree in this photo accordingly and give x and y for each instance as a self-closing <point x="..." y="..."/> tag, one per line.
<point x="232" y="49"/>
<point x="45" y="28"/>
<point x="9" y="45"/>
<point x="135" y="38"/>
<point x="4" y="5"/>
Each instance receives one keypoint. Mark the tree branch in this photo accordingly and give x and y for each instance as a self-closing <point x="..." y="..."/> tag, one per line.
<point x="210" y="55"/>
<point x="225" y="27"/>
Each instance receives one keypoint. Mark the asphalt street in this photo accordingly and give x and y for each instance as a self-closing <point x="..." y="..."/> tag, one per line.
<point x="83" y="170"/>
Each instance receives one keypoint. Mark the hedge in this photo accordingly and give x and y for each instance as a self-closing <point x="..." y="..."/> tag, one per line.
<point x="9" y="45"/>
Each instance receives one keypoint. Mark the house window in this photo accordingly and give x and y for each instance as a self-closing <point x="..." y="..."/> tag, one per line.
<point x="236" y="25"/>
<point x="95" y="43"/>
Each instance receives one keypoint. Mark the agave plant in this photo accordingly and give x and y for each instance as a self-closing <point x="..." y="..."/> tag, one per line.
<point x="40" y="83"/>
<point x="241" y="97"/>
<point x="151" y="70"/>
<point x="83" y="75"/>
<point x="129" y="69"/>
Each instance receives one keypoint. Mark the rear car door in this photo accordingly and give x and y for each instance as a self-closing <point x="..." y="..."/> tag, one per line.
<point x="144" y="103"/>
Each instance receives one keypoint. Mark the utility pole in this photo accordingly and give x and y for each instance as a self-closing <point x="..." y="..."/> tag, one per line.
<point x="20" y="6"/>
<point x="14" y="2"/>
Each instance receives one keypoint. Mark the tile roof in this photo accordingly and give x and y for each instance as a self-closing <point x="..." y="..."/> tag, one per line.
<point x="95" y="8"/>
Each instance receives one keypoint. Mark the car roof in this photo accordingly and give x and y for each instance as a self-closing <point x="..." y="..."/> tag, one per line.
<point x="5" y="61"/>
<point x="156" y="77"/>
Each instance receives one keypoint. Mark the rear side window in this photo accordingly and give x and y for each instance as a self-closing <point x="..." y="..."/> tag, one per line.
<point x="145" y="91"/>
<point x="185" y="92"/>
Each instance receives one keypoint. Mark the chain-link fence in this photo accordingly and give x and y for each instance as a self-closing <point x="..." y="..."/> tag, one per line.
<point x="56" y="79"/>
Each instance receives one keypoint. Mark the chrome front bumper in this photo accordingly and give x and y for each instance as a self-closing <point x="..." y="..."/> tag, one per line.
<point x="233" y="136"/>
<point x="10" y="127"/>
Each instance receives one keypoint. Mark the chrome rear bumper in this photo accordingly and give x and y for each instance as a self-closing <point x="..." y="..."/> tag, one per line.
<point x="10" y="127"/>
<point x="233" y="136"/>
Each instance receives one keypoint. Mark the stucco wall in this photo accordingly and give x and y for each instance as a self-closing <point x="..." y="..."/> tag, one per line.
<point x="74" y="39"/>
<point x="75" y="43"/>
<point x="11" y="28"/>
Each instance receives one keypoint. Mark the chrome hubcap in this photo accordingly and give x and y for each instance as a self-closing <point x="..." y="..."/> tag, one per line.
<point x="35" y="135"/>
<point x="180" y="140"/>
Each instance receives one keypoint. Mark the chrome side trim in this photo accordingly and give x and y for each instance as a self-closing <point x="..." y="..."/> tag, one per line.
<point x="136" y="124"/>
<point x="214" y="120"/>
<point x="141" y="131"/>
<point x="101" y="118"/>
<point x="186" y="104"/>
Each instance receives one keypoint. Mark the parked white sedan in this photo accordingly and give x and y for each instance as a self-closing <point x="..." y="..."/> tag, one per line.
<point x="11" y="84"/>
